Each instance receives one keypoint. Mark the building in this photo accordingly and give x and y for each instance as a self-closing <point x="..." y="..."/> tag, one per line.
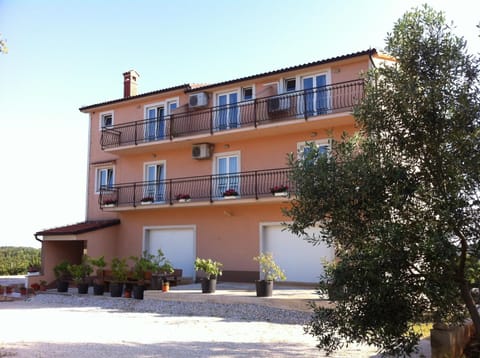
<point x="161" y="164"/>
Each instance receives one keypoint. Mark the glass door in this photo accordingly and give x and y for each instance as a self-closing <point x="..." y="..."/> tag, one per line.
<point x="228" y="179"/>
<point x="155" y="128"/>
<point x="228" y="113"/>
<point x="316" y="94"/>
<point x="155" y="182"/>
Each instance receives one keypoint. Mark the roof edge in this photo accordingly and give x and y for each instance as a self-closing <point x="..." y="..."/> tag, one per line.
<point x="191" y="88"/>
<point x="78" y="228"/>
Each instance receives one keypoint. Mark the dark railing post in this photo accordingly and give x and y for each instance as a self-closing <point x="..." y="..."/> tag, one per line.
<point x="305" y="112"/>
<point x="170" y="185"/>
<point x="211" y="188"/>
<point x="256" y="184"/>
<point x="135" y="132"/>
<point x="134" y="195"/>
<point x="171" y="127"/>
<point x="255" y="113"/>
<point x="211" y="120"/>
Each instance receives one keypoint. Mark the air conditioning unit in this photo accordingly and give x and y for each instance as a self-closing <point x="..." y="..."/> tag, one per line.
<point x="278" y="104"/>
<point x="202" y="151"/>
<point x="198" y="99"/>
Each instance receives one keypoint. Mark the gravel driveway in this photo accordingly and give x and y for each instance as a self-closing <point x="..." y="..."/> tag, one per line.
<point x="72" y="326"/>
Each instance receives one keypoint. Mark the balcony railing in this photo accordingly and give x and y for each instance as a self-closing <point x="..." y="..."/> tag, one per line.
<point x="300" y="105"/>
<point x="252" y="184"/>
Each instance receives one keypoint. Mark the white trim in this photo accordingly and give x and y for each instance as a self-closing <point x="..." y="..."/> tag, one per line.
<point x="100" y="119"/>
<point x="97" y="170"/>
<point x="60" y="238"/>
<point x="156" y="162"/>
<point x="254" y="92"/>
<point x="163" y="104"/>
<point x="319" y="143"/>
<point x="226" y="154"/>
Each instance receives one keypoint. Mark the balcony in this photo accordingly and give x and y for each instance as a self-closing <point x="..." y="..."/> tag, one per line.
<point x="199" y="189"/>
<point x="298" y="105"/>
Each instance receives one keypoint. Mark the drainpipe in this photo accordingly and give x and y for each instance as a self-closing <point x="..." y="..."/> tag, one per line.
<point x="371" y="59"/>
<point x="36" y="238"/>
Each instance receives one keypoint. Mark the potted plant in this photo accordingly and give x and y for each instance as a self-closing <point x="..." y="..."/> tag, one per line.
<point x="270" y="272"/>
<point x="109" y="203"/>
<point x="183" y="198"/>
<point x="146" y="200"/>
<point x="212" y="270"/>
<point x="279" y="190"/>
<point x="98" y="283"/>
<point x="230" y="194"/>
<point x="62" y="274"/>
<point x="119" y="276"/>
<point x="142" y="266"/>
<point x="43" y="285"/>
<point x="80" y="273"/>
<point x="162" y="268"/>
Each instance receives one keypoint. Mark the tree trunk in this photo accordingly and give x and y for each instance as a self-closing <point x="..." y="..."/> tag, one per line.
<point x="465" y="287"/>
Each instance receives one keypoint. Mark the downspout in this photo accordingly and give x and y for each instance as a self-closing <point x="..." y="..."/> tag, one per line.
<point x="36" y="238"/>
<point x="371" y="57"/>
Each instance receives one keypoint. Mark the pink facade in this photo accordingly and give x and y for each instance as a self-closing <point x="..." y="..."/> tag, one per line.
<point x="237" y="136"/>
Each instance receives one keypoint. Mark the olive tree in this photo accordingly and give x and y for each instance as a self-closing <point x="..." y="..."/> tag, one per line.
<point x="399" y="200"/>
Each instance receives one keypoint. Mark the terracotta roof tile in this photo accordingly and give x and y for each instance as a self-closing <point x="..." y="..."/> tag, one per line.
<point x="78" y="228"/>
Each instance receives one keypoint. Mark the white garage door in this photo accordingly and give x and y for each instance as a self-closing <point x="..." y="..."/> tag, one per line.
<point x="178" y="245"/>
<point x="301" y="261"/>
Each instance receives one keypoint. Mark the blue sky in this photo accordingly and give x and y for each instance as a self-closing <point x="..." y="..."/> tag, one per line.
<point x="67" y="54"/>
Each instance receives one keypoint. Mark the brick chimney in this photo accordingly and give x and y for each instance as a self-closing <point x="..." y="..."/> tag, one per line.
<point x="130" y="83"/>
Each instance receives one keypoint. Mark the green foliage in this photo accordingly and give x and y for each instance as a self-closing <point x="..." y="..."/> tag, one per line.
<point x="17" y="260"/>
<point x="99" y="262"/>
<point x="62" y="270"/>
<point x="142" y="264"/>
<point x="270" y="270"/>
<point x="210" y="267"/>
<point x="120" y="269"/>
<point x="400" y="200"/>
<point x="161" y="264"/>
<point x="81" y="271"/>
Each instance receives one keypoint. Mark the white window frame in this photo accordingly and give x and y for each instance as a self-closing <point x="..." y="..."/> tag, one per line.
<point x="326" y="142"/>
<point x="98" y="170"/>
<point x="165" y="104"/>
<point x="101" y="120"/>
<point x="252" y="87"/>
<point x="162" y="163"/>
<point x="227" y="154"/>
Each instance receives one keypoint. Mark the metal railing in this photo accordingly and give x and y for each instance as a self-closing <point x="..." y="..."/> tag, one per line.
<point x="292" y="105"/>
<point x="252" y="184"/>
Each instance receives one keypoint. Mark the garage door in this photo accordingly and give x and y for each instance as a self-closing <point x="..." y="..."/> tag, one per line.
<point x="178" y="245"/>
<point x="301" y="261"/>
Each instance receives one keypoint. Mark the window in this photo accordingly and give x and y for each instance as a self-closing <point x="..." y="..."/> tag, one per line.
<point x="227" y="174"/>
<point x="156" y="116"/>
<point x="290" y="85"/>
<point x="228" y="113"/>
<point x="105" y="179"/>
<point x="155" y="181"/>
<point x="316" y="94"/>
<point x="247" y="93"/>
<point x="323" y="146"/>
<point x="106" y="120"/>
